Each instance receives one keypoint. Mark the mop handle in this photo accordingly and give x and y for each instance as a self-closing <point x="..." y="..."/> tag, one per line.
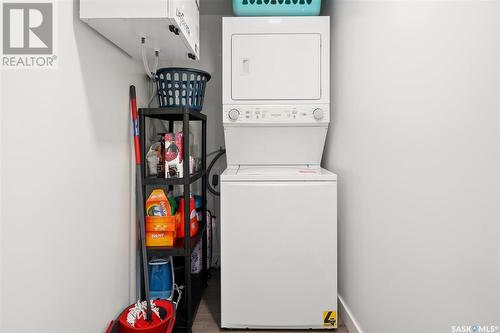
<point x="135" y="123"/>
<point x="140" y="200"/>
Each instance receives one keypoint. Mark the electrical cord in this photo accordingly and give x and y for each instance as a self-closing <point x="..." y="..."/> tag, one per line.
<point x="220" y="152"/>
<point x="214" y="152"/>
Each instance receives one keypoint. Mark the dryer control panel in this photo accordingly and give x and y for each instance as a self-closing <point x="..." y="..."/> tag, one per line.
<point x="276" y="114"/>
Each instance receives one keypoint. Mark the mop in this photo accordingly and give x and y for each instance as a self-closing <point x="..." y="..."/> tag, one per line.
<point x="146" y="316"/>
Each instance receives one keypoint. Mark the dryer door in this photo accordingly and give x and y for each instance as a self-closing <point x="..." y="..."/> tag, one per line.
<point x="276" y="66"/>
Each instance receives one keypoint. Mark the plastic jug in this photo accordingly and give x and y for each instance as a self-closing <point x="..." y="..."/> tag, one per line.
<point x="161" y="279"/>
<point x="193" y="218"/>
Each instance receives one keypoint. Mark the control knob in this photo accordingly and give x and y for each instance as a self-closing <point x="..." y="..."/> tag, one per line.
<point x="318" y="114"/>
<point x="233" y="114"/>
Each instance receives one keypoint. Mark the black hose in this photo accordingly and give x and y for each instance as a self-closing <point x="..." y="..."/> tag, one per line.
<point x="209" y="169"/>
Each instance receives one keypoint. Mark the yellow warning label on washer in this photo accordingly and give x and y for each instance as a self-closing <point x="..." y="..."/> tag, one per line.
<point x="330" y="318"/>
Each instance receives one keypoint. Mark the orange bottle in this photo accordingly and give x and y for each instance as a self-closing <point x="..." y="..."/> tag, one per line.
<point x="193" y="218"/>
<point x="158" y="204"/>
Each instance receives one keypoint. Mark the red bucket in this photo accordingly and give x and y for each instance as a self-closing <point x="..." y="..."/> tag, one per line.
<point x="167" y="315"/>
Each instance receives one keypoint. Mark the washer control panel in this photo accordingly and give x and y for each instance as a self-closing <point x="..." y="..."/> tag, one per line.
<point x="276" y="114"/>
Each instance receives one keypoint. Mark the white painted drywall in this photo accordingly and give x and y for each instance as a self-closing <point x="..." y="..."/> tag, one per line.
<point x="415" y="140"/>
<point x="216" y="7"/>
<point x="66" y="186"/>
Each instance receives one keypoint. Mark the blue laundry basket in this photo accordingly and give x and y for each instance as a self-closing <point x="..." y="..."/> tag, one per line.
<point x="177" y="87"/>
<point x="276" y="7"/>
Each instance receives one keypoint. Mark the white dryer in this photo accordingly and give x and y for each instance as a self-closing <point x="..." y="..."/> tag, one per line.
<point x="278" y="206"/>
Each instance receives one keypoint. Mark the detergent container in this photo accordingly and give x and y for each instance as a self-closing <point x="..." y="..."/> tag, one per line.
<point x="193" y="218"/>
<point x="161" y="279"/>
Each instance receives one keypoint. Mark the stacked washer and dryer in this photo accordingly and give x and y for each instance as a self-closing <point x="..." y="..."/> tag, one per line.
<point x="278" y="206"/>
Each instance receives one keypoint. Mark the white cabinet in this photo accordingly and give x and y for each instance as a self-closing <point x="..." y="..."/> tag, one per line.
<point x="171" y="26"/>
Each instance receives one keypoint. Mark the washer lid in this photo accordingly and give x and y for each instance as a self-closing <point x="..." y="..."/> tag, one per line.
<point x="277" y="173"/>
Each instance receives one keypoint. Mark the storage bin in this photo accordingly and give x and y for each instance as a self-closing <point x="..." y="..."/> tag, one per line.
<point x="162" y="223"/>
<point x="276" y="7"/>
<point x="178" y="87"/>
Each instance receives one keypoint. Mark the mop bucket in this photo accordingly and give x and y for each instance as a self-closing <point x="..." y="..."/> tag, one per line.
<point x="165" y="325"/>
<point x="167" y="313"/>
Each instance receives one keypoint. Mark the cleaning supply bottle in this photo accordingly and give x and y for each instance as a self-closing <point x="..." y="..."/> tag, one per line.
<point x="193" y="218"/>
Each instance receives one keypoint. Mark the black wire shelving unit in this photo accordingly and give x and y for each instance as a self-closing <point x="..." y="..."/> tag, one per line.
<point x="194" y="284"/>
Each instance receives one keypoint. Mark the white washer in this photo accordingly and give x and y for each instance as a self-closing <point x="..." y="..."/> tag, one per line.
<point x="278" y="207"/>
<point x="278" y="247"/>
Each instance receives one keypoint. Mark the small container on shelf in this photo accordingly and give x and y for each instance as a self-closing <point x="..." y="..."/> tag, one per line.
<point x="174" y="155"/>
<point x="162" y="223"/>
<point x="193" y="218"/>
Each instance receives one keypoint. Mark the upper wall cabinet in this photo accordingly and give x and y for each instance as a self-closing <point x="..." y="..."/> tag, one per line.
<point x="171" y="26"/>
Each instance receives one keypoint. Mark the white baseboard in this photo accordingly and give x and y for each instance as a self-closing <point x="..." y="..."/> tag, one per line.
<point x="347" y="318"/>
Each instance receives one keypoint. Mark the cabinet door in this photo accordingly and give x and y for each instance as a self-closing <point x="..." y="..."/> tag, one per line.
<point x="186" y="14"/>
<point x="276" y="66"/>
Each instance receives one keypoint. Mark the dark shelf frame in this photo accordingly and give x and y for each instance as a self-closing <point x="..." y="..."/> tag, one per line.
<point x="173" y="114"/>
<point x="194" y="284"/>
<point x="152" y="180"/>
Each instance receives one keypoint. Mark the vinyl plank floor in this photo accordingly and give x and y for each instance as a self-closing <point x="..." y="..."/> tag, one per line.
<point x="208" y="316"/>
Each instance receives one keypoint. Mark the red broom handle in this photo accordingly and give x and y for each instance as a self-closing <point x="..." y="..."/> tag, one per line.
<point x="140" y="198"/>
<point x="135" y="123"/>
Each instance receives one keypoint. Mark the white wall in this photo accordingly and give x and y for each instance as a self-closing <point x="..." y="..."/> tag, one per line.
<point x="66" y="186"/>
<point x="415" y="142"/>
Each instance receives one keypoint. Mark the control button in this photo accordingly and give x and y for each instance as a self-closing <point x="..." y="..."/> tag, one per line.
<point x="233" y="114"/>
<point x="318" y="114"/>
